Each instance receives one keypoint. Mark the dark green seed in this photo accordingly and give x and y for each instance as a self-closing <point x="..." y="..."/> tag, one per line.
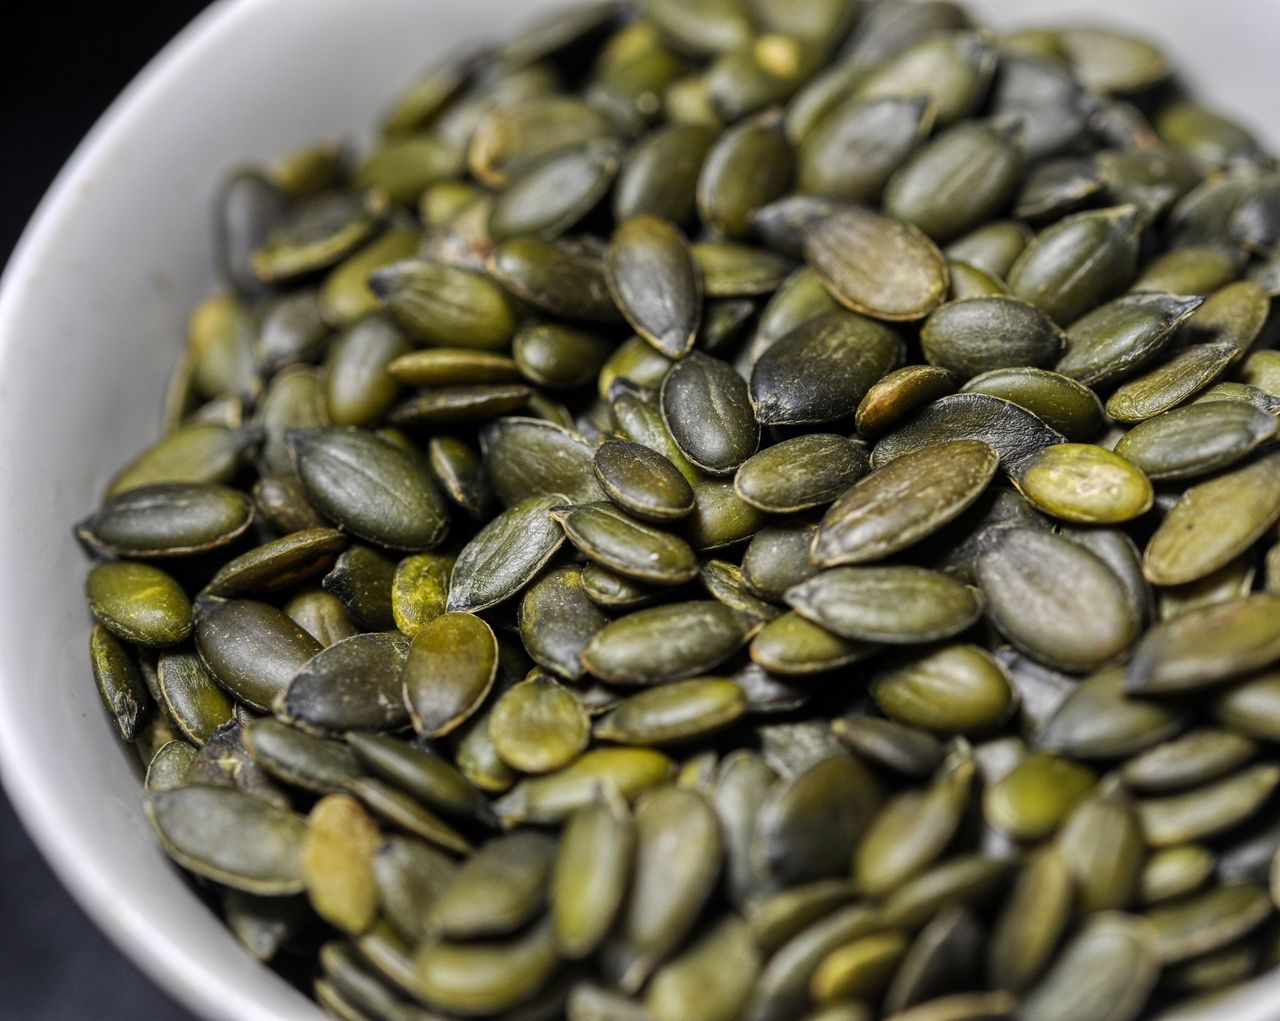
<point x="252" y="648"/>
<point x="139" y="603"/>
<point x="981" y="334"/>
<point x="656" y="284"/>
<point x="897" y="604"/>
<point x="800" y="473"/>
<point x="169" y="520"/>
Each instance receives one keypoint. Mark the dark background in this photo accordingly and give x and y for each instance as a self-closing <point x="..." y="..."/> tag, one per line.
<point x="61" y="64"/>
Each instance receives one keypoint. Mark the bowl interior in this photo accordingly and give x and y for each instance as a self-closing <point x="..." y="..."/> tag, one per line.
<point x="91" y="321"/>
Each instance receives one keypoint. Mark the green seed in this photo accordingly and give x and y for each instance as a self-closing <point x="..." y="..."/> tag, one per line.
<point x="119" y="681"/>
<point x="354" y="684"/>
<point x="900" y="393"/>
<point x="673" y="713"/>
<point x="626" y="546"/>
<point x="854" y="148"/>
<point x="252" y="648"/>
<point x="904" y="501"/>
<point x="878" y="265"/>
<point x="230" y="838"/>
<point x="373" y="489"/>
<point x="450" y="668"/>
<point x="1031" y="923"/>
<point x="954" y="689"/>
<point x="539" y="726"/>
<point x="1055" y="600"/>
<point x="556" y="796"/>
<point x="1115" y="340"/>
<point x="801" y="473"/>
<point x="506" y="554"/>
<point x="706" y="408"/>
<point x="1032" y="799"/>
<point x="169" y="520"/>
<point x="592" y="869"/>
<point x="337" y="863"/>
<point x="666" y="643"/>
<point x="139" y="603"/>
<point x="278" y="564"/>
<point x="190" y="697"/>
<point x="981" y="334"/>
<point x="896" y="604"/>
<point x="1212" y="808"/>
<point x="656" y="284"/>
<point x="486" y="979"/>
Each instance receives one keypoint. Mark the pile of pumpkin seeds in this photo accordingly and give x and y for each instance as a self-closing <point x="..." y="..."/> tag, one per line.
<point x="731" y="509"/>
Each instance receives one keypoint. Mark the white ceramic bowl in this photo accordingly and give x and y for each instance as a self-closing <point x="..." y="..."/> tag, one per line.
<point x="92" y="309"/>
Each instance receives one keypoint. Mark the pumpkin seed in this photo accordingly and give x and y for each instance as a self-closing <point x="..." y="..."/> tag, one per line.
<point x="278" y="564"/>
<point x="790" y="386"/>
<point x="539" y="726"/>
<point x="655" y="283"/>
<point x="893" y="604"/>
<point x="981" y="334"/>
<point x="855" y="147"/>
<point x="139" y="603"/>
<point x="706" y="407"/>
<point x="337" y="863"/>
<point x="666" y="643"/>
<point x="119" y="681"/>
<point x="903" y="501"/>
<point x="506" y="554"/>
<point x="900" y="393"/>
<point x="1209" y="809"/>
<point x="877" y="265"/>
<point x="592" y="868"/>
<point x="673" y="713"/>
<point x="953" y="689"/>
<point x="371" y="488"/>
<point x="1032" y="922"/>
<point x="231" y="838"/>
<point x="450" y="668"/>
<point x="1078" y="263"/>
<point x="801" y="473"/>
<point x="169" y="520"/>
<point x="361" y="580"/>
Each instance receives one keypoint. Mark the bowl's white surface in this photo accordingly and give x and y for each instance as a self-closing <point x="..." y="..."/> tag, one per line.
<point x="92" y="308"/>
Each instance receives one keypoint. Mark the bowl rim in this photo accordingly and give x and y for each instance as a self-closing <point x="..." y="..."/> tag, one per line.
<point x="171" y="965"/>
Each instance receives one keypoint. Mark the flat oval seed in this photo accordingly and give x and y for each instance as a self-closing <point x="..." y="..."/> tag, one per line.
<point x="506" y="554"/>
<point x="878" y="265"/>
<point x="1061" y="403"/>
<point x="486" y="979"/>
<point x="450" y="668"/>
<point x="899" y="394"/>
<point x="628" y="547"/>
<point x="337" y="863"/>
<point x="913" y="830"/>
<point x="1028" y="928"/>
<point x="893" y="604"/>
<point x="659" y="177"/>
<point x="943" y="955"/>
<point x="1107" y="972"/>
<point x="706" y="407"/>
<point x="1252" y="707"/>
<point x="139" y="603"/>
<point x="822" y="369"/>
<point x="361" y="579"/>
<point x="1214" y="522"/>
<point x="556" y="355"/>
<point x="354" y="684"/>
<point x="527" y="457"/>
<point x="168" y="766"/>
<point x="1207" y="645"/>
<point x="1031" y="800"/>
<point x="555" y="277"/>
<point x="904" y="749"/>
<point x="195" y="453"/>
<point x="590" y="874"/>
<point x="252" y="648"/>
<point x="554" y="797"/>
<point x="666" y="643"/>
<point x="195" y="704"/>
<point x="498" y="889"/>
<point x="451" y="366"/>
<point x="1014" y="433"/>
<point x="960" y="180"/>
<point x="952" y="68"/>
<point x="677" y="863"/>
<point x="710" y="980"/>
<point x="674" y="713"/>
<point x="1118" y="338"/>
<point x="1055" y="600"/>
<point x="854" y="148"/>
<point x="794" y="647"/>
<point x="299" y="759"/>
<point x="557" y="620"/>
<point x="1085" y="484"/>
<point x="808" y="826"/>
<point x="1212" y="808"/>
<point x="980" y="334"/>
<point x="278" y="564"/>
<point x="655" y="282"/>
<point x="420" y="590"/>
<point x="1168" y="385"/>
<point x="955" y="689"/>
<point x="1098" y="720"/>
<point x="1208" y="921"/>
<point x="428" y="777"/>
<point x="539" y="726"/>
<point x="119" y="681"/>
<point x="858" y="970"/>
<point x="370" y="487"/>
<point x="445" y="305"/>
<point x="642" y="481"/>
<point x="1192" y="759"/>
<point x="1173" y="872"/>
<point x="748" y="166"/>
<point x="1102" y="844"/>
<point x="169" y="520"/>
<point x="1197" y="439"/>
<point x="1078" y="263"/>
<point x="902" y="502"/>
<point x="555" y="193"/>
<point x="231" y="838"/>
<point x="800" y="473"/>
